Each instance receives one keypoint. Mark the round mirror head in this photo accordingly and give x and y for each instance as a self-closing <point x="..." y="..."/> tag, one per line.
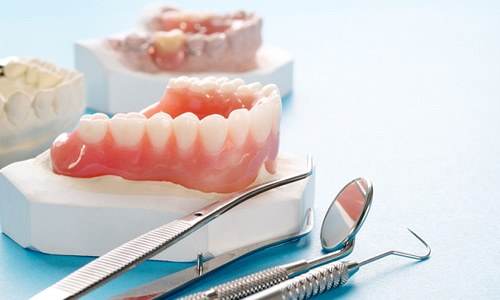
<point x="346" y="214"/>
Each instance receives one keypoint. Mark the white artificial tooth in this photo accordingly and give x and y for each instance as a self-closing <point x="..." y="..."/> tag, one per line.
<point x="197" y="87"/>
<point x="254" y="87"/>
<point x="227" y="88"/>
<point x="244" y="91"/>
<point x="209" y="86"/>
<point x="193" y="80"/>
<point x="32" y="75"/>
<point x="213" y="132"/>
<point x="47" y="79"/>
<point x="99" y="116"/>
<point x="269" y="89"/>
<point x="239" y="124"/>
<point x="231" y="86"/>
<point x="159" y="128"/>
<point x="237" y="82"/>
<point x="15" y="68"/>
<point x="261" y="116"/>
<point x="186" y="130"/>
<point x="43" y="103"/>
<point x="62" y="98"/>
<point x="221" y="80"/>
<point x="276" y="108"/>
<point x="135" y="115"/>
<point x="17" y="107"/>
<point x="179" y="82"/>
<point x="127" y="132"/>
<point x="92" y="130"/>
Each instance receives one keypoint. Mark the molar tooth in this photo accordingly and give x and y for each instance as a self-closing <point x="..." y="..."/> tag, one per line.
<point x="208" y="85"/>
<point x="179" y="82"/>
<point x="221" y="80"/>
<point x="92" y="129"/>
<point x="237" y="82"/>
<point x="244" y="90"/>
<point x="47" y="79"/>
<point x="213" y="132"/>
<point x="261" y="121"/>
<point x="254" y="87"/>
<point x="32" y="75"/>
<point x="239" y="124"/>
<point x="62" y="98"/>
<point x="159" y="128"/>
<point x="196" y="87"/>
<point x="14" y="68"/>
<point x="186" y="130"/>
<point x="127" y="132"/>
<point x="18" y="107"/>
<point x="43" y="103"/>
<point x="269" y="89"/>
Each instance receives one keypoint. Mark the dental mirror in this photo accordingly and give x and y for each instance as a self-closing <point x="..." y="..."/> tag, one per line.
<point x="342" y="221"/>
<point x="346" y="214"/>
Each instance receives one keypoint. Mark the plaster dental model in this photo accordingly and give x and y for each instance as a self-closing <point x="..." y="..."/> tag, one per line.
<point x="130" y="69"/>
<point x="112" y="179"/>
<point x="38" y="101"/>
<point x="182" y="41"/>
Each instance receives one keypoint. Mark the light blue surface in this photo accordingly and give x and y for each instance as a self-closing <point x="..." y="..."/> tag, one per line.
<point x="407" y="94"/>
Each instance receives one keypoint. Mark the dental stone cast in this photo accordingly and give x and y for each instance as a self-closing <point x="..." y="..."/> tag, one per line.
<point x="175" y="40"/>
<point x="209" y="134"/>
<point x="37" y="102"/>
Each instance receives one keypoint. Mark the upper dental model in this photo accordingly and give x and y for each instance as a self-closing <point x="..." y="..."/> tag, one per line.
<point x="181" y="41"/>
<point x="211" y="135"/>
<point x="37" y="102"/>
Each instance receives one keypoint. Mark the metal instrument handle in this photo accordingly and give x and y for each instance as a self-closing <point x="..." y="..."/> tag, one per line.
<point x="243" y="287"/>
<point x="307" y="285"/>
<point x="117" y="261"/>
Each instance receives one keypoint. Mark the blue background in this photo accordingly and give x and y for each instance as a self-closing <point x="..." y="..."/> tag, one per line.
<point x="406" y="93"/>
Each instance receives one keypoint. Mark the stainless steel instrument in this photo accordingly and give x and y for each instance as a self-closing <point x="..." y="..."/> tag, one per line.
<point x="340" y="225"/>
<point x="136" y="251"/>
<point x="171" y="283"/>
<point x="325" y="278"/>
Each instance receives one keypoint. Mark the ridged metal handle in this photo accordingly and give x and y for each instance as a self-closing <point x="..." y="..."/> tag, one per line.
<point x="243" y="287"/>
<point x="315" y="282"/>
<point x="115" y="262"/>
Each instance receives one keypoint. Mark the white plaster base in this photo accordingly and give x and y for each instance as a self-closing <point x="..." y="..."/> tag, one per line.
<point x="62" y="215"/>
<point x="113" y="88"/>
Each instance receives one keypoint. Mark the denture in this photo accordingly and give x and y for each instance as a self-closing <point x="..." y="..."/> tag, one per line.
<point x="175" y="40"/>
<point x="212" y="135"/>
<point x="37" y="102"/>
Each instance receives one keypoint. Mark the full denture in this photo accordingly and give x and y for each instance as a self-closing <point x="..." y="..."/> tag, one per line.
<point x="212" y="135"/>
<point x="180" y="41"/>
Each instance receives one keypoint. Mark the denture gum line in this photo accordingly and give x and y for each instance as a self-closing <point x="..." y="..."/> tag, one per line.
<point x="247" y="135"/>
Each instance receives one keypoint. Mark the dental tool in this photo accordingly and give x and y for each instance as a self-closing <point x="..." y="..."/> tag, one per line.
<point x="173" y="282"/>
<point x="136" y="251"/>
<point x="340" y="225"/>
<point x="327" y="277"/>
